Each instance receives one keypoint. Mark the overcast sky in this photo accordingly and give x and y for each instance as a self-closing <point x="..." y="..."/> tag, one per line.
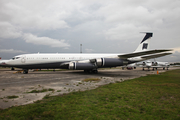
<point x="101" y="26"/>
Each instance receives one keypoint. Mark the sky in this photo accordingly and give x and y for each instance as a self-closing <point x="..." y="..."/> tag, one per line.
<point x="101" y="26"/>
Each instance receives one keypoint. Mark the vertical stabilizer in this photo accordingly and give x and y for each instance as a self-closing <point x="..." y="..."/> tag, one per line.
<point x="144" y="45"/>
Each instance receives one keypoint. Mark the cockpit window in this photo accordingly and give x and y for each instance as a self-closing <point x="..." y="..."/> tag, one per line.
<point x="17" y="57"/>
<point x="13" y="58"/>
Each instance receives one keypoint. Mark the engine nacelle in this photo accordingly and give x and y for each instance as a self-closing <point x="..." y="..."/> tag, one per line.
<point x="81" y="66"/>
<point x="154" y="63"/>
<point x="110" y="62"/>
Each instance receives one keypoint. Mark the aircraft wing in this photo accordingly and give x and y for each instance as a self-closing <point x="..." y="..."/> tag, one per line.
<point x="155" y="56"/>
<point x="136" y="54"/>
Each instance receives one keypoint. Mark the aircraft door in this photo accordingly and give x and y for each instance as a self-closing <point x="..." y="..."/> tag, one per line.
<point x="23" y="60"/>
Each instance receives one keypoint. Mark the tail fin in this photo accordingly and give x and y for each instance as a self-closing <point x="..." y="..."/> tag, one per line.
<point x="144" y="43"/>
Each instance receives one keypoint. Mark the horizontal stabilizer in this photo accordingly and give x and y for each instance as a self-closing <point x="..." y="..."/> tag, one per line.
<point x="136" y="54"/>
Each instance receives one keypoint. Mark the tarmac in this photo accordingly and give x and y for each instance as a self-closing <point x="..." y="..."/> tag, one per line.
<point x="57" y="83"/>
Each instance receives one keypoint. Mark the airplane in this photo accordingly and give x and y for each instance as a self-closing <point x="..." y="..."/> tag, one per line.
<point x="148" y="64"/>
<point x="87" y="62"/>
<point x="129" y="66"/>
<point x="154" y="65"/>
<point x="2" y="62"/>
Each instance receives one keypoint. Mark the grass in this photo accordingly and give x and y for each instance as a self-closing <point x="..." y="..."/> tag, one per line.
<point x="149" y="97"/>
<point x="12" y="97"/>
<point x="58" y="90"/>
<point x="40" y="91"/>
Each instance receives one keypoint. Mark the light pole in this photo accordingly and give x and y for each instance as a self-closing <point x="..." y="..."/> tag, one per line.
<point x="80" y="48"/>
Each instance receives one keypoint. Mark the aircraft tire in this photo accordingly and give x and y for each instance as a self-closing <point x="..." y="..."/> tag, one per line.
<point x="86" y="71"/>
<point x="12" y="68"/>
<point x="94" y="71"/>
<point x="25" y="71"/>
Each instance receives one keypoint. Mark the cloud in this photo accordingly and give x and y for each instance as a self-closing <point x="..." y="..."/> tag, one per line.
<point x="7" y="30"/>
<point x="30" y="38"/>
<point x="177" y="49"/>
<point x="11" y="51"/>
<point x="123" y="17"/>
<point x="121" y="30"/>
<point x="89" y="50"/>
<point x="34" y="15"/>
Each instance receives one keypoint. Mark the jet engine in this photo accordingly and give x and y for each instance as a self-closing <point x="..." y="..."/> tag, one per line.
<point x="110" y="62"/>
<point x="81" y="66"/>
<point x="154" y="63"/>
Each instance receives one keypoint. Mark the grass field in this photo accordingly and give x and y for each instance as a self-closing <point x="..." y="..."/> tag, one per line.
<point x="149" y="97"/>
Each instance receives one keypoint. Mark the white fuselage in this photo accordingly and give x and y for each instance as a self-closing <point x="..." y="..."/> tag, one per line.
<point x="149" y="64"/>
<point x="163" y="64"/>
<point x="51" y="60"/>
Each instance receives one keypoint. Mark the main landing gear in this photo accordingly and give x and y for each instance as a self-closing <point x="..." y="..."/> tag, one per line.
<point x="154" y="68"/>
<point x="165" y="68"/>
<point x="12" y="68"/>
<point x="25" y="71"/>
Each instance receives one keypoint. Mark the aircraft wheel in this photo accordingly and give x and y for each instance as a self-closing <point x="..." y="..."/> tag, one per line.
<point x="95" y="71"/>
<point x="12" y="68"/>
<point x="87" y="71"/>
<point x="25" y="71"/>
